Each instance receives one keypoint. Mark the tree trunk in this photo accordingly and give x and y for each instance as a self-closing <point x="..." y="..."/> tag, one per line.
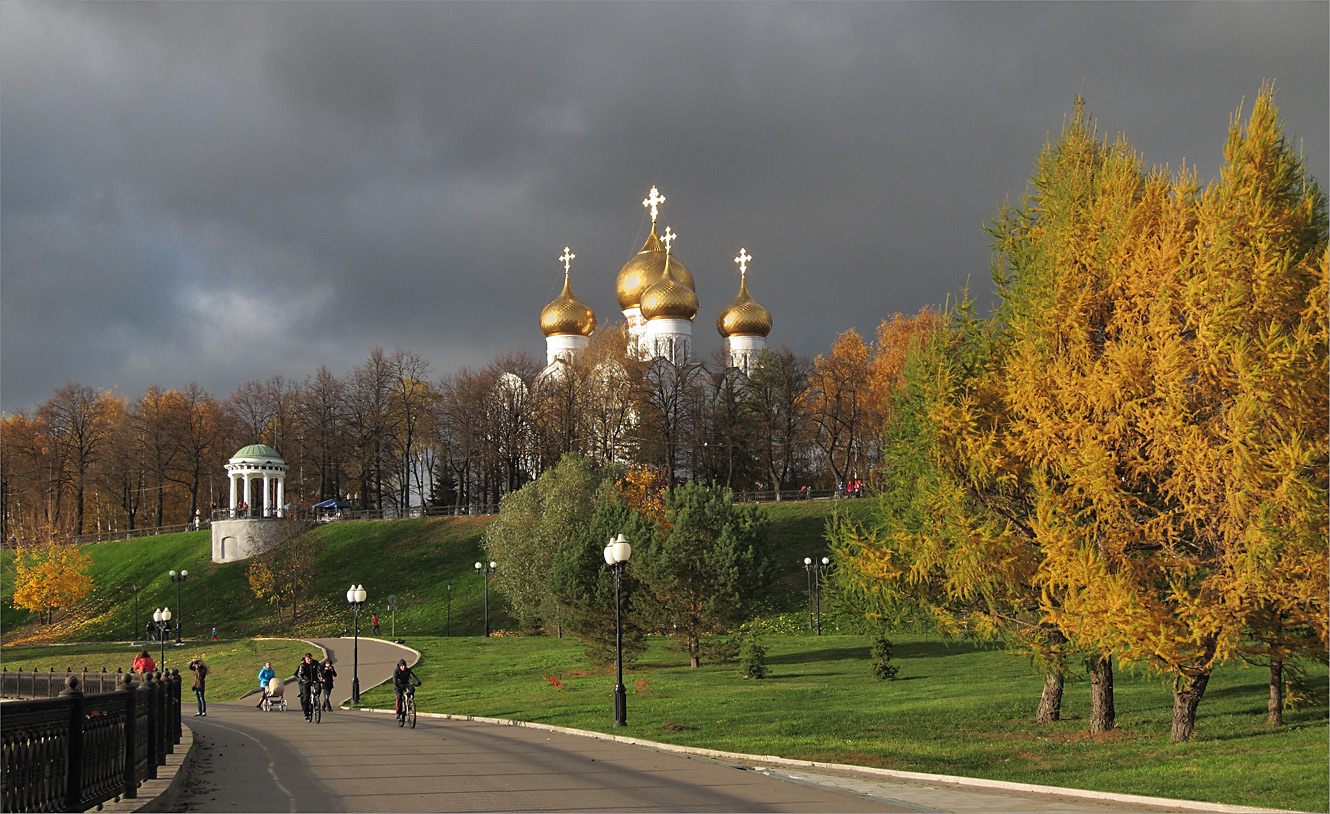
<point x="1102" y="714"/>
<point x="1050" y="703"/>
<point x="1187" y="695"/>
<point x="694" y="652"/>
<point x="1276" y="716"/>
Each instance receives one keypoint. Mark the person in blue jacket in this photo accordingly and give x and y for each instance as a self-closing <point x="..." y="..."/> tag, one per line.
<point x="266" y="674"/>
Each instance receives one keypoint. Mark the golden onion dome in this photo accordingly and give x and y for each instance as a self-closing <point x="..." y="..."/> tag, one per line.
<point x="744" y="316"/>
<point x="669" y="297"/>
<point x="567" y="314"/>
<point x="644" y="270"/>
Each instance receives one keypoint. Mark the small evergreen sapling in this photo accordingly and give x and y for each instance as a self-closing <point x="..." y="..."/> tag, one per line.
<point x="883" y="669"/>
<point x="754" y="658"/>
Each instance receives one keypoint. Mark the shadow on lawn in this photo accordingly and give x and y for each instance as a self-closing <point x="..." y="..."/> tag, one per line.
<point x="824" y="654"/>
<point x="905" y="650"/>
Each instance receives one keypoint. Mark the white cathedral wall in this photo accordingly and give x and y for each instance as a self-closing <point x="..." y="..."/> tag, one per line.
<point x="670" y="339"/>
<point x="563" y="345"/>
<point x="745" y="350"/>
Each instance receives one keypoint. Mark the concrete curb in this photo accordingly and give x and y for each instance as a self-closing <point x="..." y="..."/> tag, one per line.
<point x="869" y="771"/>
<point x="163" y="793"/>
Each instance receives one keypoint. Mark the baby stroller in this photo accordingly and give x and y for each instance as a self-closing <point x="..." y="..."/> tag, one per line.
<point x="276" y="698"/>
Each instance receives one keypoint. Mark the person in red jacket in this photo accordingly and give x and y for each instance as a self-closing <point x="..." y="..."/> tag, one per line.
<point x="143" y="663"/>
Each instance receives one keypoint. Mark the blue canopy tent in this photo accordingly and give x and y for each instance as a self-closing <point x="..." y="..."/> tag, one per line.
<point x="332" y="503"/>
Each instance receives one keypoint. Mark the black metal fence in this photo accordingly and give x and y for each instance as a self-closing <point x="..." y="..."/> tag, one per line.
<point x="72" y="751"/>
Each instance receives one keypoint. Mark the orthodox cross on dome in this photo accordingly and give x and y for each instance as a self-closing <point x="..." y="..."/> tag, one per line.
<point x="567" y="259"/>
<point x="742" y="260"/>
<point x="668" y="238"/>
<point x="653" y="202"/>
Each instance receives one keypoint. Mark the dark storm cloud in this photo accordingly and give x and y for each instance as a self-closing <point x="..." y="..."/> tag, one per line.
<point x="221" y="192"/>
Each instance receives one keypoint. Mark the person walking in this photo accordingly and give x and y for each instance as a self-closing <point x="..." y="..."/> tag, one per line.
<point x="329" y="673"/>
<point x="143" y="663"/>
<point x="214" y="634"/>
<point x="200" y="671"/>
<point x="265" y="675"/>
<point x="374" y="621"/>
<point x="307" y="674"/>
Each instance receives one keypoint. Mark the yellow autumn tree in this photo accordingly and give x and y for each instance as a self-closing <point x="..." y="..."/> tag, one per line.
<point x="643" y="489"/>
<point x="1166" y="388"/>
<point x="842" y="409"/>
<point x="896" y="337"/>
<point x="50" y="575"/>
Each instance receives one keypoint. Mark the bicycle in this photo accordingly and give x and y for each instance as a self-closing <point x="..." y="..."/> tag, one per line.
<point x="310" y="696"/>
<point x="406" y="710"/>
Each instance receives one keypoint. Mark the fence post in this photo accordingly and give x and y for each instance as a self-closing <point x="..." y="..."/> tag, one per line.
<point x="150" y="686"/>
<point x="164" y="722"/>
<point x="74" y="776"/>
<point x="129" y="784"/>
<point x="175" y="704"/>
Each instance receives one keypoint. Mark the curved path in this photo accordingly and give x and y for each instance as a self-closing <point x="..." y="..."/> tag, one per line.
<point x="247" y="760"/>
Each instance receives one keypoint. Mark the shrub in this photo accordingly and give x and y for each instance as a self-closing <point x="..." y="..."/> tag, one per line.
<point x="883" y="669"/>
<point x="754" y="658"/>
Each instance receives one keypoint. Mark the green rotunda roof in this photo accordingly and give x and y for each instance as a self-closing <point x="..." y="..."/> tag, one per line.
<point x="258" y="451"/>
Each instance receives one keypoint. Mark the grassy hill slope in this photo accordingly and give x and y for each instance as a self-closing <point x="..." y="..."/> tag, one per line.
<point x="415" y="560"/>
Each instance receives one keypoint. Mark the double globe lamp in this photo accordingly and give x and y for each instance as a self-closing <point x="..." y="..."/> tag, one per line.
<point x="356" y="597"/>
<point x="616" y="557"/>
<point x="162" y="617"/>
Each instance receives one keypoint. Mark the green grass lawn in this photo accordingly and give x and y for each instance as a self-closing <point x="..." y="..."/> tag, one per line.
<point x="957" y="708"/>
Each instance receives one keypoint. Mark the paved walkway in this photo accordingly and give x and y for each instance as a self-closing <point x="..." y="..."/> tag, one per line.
<point x="246" y="760"/>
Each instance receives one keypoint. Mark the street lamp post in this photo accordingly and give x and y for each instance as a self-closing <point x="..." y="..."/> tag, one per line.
<point x="809" y="567"/>
<point x="819" y="570"/>
<point x="162" y="617"/>
<point x="134" y="628"/>
<point x="616" y="556"/>
<point x="177" y="579"/>
<point x="448" y="620"/>
<point x="356" y="596"/>
<point x="485" y="571"/>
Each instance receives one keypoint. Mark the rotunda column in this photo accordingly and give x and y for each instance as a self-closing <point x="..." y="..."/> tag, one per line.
<point x="231" y="476"/>
<point x="267" y="494"/>
<point x="248" y="493"/>
<point x="281" y="495"/>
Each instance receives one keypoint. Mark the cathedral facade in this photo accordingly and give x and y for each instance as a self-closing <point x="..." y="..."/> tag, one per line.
<point x="658" y="297"/>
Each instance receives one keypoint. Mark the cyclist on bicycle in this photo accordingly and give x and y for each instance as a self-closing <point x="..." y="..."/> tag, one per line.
<point x="403" y="679"/>
<point x="308" y="674"/>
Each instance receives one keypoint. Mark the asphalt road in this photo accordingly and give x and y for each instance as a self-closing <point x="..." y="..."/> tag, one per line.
<point x="249" y="760"/>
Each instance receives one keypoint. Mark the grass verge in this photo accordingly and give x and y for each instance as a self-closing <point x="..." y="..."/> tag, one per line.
<point x="958" y="708"/>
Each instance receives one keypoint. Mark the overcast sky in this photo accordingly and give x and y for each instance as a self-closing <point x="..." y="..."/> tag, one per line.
<point x="222" y="192"/>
